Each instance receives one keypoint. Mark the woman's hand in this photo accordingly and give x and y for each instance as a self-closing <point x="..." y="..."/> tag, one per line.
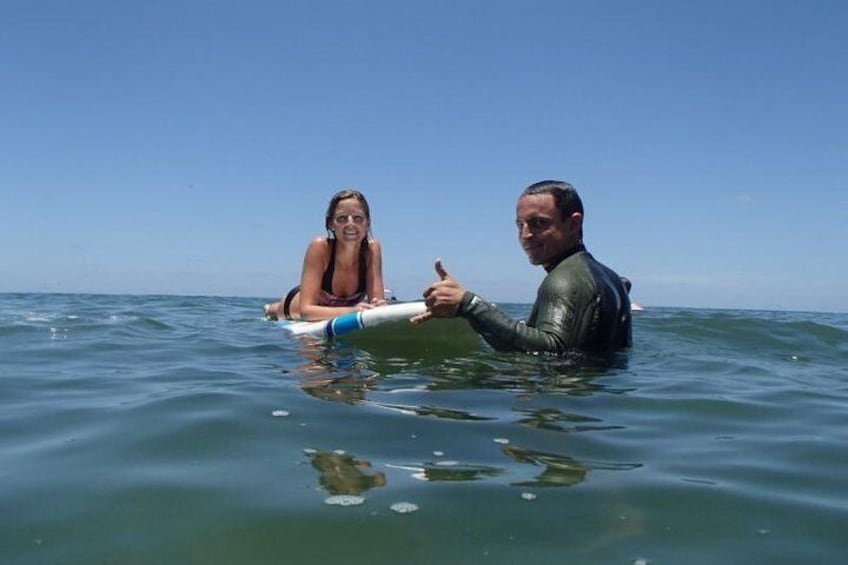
<point x="374" y="303"/>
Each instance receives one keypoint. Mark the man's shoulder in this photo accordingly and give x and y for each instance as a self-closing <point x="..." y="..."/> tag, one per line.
<point x="591" y="263"/>
<point x="572" y="267"/>
<point x="579" y="271"/>
<point x="571" y="276"/>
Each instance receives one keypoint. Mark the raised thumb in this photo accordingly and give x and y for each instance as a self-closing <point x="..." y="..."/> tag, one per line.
<point x="440" y="269"/>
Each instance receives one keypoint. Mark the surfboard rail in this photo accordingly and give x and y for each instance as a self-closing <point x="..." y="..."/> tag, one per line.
<point x="353" y="321"/>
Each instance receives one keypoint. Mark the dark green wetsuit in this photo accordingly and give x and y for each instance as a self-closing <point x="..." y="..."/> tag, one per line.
<point x="581" y="305"/>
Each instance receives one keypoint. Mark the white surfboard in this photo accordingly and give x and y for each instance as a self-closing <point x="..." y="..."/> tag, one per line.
<point x="354" y="321"/>
<point x="385" y="331"/>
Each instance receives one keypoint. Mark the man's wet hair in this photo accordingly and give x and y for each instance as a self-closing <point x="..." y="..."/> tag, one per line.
<point x="565" y="197"/>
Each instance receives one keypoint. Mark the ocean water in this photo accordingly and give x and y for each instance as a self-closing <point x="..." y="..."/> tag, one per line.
<point x="163" y="429"/>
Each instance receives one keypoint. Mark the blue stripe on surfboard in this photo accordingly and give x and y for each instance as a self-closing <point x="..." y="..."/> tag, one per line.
<point x="343" y="324"/>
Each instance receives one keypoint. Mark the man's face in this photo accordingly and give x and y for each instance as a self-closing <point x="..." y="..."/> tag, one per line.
<point x="541" y="231"/>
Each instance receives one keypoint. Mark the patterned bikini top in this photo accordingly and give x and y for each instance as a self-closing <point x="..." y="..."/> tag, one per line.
<point x="326" y="296"/>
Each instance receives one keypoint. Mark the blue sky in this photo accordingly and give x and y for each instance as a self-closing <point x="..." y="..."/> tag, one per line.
<point x="191" y="147"/>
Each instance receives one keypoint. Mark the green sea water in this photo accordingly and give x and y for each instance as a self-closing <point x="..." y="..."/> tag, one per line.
<point x="165" y="429"/>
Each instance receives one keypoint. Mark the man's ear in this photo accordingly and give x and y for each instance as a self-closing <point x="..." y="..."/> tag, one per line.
<point x="575" y="223"/>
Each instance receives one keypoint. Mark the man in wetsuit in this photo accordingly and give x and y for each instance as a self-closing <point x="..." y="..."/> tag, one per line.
<point x="581" y="305"/>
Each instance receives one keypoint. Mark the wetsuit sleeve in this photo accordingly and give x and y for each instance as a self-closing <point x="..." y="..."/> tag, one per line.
<point x="561" y="318"/>
<point x="502" y="332"/>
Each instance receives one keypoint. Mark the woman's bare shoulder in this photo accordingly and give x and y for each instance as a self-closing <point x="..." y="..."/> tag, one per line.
<point x="318" y="242"/>
<point x="318" y="249"/>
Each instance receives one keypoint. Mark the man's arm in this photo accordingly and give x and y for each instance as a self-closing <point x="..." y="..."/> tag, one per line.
<point x="502" y="332"/>
<point x="561" y="319"/>
<point x="558" y="320"/>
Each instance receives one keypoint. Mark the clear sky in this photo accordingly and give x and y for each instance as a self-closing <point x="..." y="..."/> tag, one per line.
<point x="191" y="147"/>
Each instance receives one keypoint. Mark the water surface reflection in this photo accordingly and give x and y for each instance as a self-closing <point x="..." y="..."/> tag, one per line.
<point x="341" y="473"/>
<point x="480" y="388"/>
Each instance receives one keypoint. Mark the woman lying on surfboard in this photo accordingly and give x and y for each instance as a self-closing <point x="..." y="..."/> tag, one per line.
<point x="342" y="272"/>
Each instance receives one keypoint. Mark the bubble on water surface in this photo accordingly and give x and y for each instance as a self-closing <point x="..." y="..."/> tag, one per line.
<point x="58" y="333"/>
<point x="345" y="500"/>
<point x="403" y="507"/>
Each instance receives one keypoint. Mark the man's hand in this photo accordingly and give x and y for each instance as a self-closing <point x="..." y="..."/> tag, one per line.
<point x="442" y="297"/>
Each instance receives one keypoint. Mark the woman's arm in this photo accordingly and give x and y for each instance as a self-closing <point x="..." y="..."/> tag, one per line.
<point x="374" y="276"/>
<point x="314" y="263"/>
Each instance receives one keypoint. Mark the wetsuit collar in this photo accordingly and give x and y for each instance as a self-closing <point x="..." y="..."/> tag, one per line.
<point x="567" y="253"/>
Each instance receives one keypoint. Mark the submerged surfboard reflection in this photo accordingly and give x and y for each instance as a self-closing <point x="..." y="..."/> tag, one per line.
<point x="388" y="327"/>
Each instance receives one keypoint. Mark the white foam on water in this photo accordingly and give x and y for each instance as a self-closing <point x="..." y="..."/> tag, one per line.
<point x="38" y="318"/>
<point x="501" y="440"/>
<point x="58" y="333"/>
<point x="280" y="413"/>
<point x="344" y="500"/>
<point x="403" y="507"/>
<point x="528" y="496"/>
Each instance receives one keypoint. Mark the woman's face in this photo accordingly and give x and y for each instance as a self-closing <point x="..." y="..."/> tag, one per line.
<point x="349" y="221"/>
